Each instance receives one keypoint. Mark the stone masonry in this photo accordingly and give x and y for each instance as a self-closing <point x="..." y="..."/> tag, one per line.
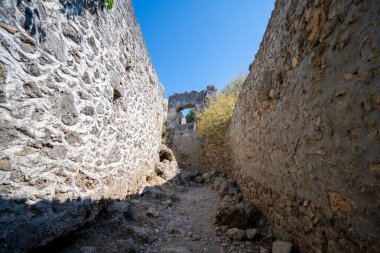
<point x="181" y="137"/>
<point x="80" y="115"/>
<point x="216" y="153"/>
<point x="187" y="146"/>
<point x="305" y="135"/>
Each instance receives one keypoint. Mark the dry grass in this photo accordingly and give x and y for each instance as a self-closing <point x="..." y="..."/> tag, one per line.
<point x="215" y="118"/>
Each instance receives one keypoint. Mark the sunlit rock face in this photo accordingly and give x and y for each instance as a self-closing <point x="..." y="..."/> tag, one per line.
<point x="80" y="115"/>
<point x="305" y="134"/>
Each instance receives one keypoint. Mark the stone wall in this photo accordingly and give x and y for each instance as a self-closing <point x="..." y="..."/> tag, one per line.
<point x="305" y="134"/>
<point x="80" y="115"/>
<point x="187" y="146"/>
<point x="216" y="153"/>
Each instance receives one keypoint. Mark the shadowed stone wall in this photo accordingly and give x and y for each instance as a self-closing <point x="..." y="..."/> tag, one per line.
<point x="80" y="115"/>
<point x="216" y="153"/>
<point x="305" y="134"/>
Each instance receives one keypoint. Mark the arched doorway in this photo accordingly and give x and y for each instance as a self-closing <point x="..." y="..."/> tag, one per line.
<point x="181" y="136"/>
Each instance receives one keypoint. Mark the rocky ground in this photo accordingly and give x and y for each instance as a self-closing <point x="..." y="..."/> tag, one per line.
<point x="190" y="213"/>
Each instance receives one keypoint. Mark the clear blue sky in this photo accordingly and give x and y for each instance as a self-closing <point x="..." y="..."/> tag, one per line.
<point x="195" y="43"/>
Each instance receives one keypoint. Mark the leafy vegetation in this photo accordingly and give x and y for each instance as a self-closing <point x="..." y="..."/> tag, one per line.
<point x="235" y="85"/>
<point x="217" y="115"/>
<point x="108" y="4"/>
<point x="190" y="117"/>
<point x="215" y="118"/>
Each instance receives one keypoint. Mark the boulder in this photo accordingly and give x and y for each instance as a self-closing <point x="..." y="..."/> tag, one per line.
<point x="228" y="187"/>
<point x="120" y="209"/>
<point x="241" y="215"/>
<point x="252" y="233"/>
<point x="209" y="176"/>
<point x="167" y="168"/>
<point x="88" y="249"/>
<point x="218" y="181"/>
<point x="127" y="246"/>
<point x="150" y="192"/>
<point x="179" y="227"/>
<point x="198" y="180"/>
<point x="153" y="213"/>
<point x="236" y="234"/>
<point x="188" y="176"/>
<point x="140" y="234"/>
<point x="175" y="249"/>
<point x="282" y="247"/>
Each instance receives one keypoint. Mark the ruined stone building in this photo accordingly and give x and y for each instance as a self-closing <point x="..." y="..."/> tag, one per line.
<point x="181" y="136"/>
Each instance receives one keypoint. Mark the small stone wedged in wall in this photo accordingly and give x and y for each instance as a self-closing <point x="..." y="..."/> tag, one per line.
<point x="66" y="140"/>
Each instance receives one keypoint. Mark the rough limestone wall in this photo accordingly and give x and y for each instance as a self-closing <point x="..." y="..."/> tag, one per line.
<point x="305" y="134"/>
<point x="80" y="115"/>
<point x="186" y="146"/>
<point x="216" y="153"/>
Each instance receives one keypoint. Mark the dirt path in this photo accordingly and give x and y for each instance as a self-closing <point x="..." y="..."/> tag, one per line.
<point x="177" y="217"/>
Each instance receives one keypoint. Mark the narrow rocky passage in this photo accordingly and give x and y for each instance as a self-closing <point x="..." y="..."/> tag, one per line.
<point x="190" y="213"/>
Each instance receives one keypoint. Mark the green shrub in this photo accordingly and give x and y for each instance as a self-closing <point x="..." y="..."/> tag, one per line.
<point x="217" y="115"/>
<point x="108" y="4"/>
<point x="215" y="118"/>
<point x="190" y="117"/>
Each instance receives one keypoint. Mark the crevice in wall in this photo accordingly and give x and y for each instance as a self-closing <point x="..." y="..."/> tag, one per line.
<point x="165" y="155"/>
<point x="116" y="95"/>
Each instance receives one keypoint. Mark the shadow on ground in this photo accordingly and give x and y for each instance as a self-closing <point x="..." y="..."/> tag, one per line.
<point x="189" y="213"/>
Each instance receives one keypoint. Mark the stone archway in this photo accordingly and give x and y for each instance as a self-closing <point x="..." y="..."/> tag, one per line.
<point x="181" y="137"/>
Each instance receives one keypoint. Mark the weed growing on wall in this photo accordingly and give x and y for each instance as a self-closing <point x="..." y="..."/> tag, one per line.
<point x="215" y="118"/>
<point x="108" y="4"/>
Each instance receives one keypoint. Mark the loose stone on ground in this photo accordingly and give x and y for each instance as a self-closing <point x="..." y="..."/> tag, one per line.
<point x="183" y="215"/>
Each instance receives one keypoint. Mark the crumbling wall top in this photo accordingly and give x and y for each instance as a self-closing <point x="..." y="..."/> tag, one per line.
<point x="193" y="99"/>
